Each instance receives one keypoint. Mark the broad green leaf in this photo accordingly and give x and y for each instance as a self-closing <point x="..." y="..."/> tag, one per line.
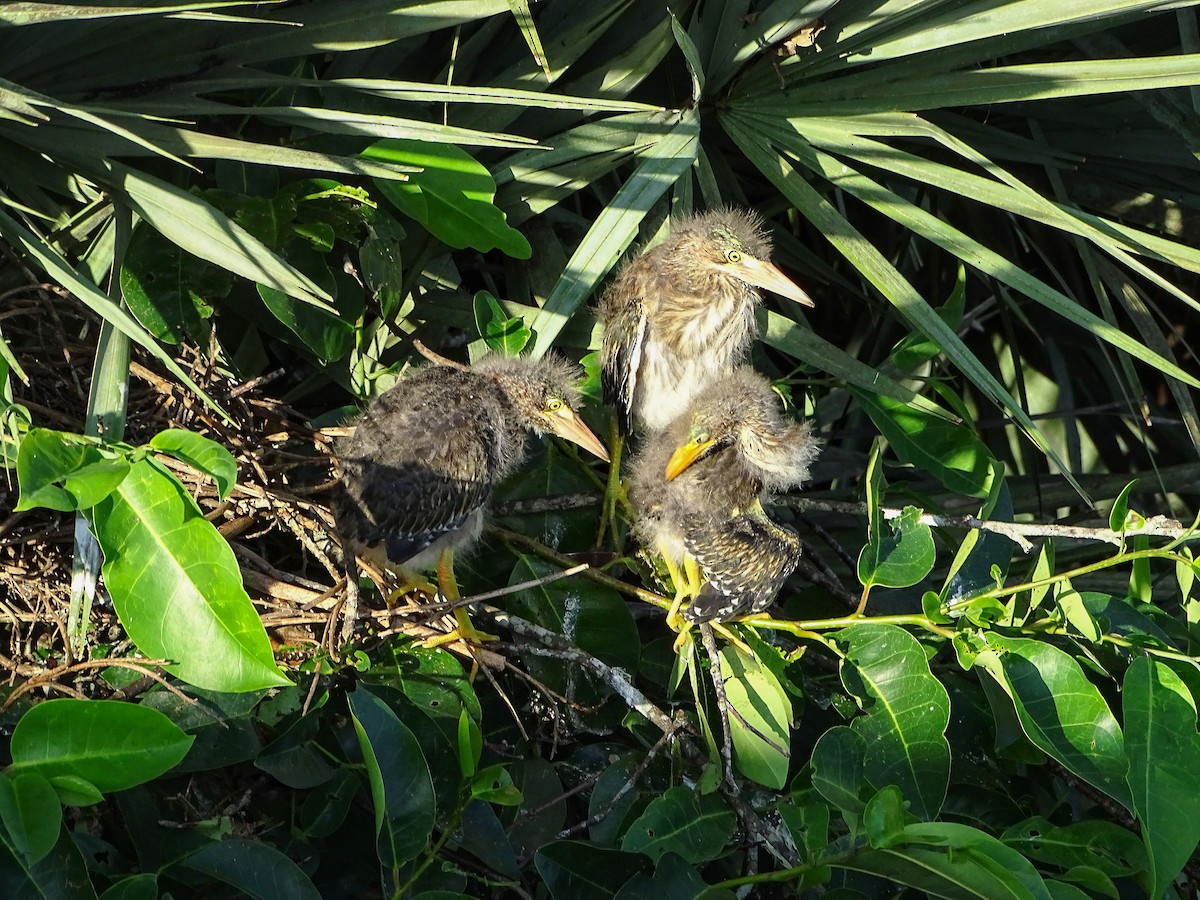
<point x="884" y="817"/>
<point x="64" y="471"/>
<point x="451" y="196"/>
<point x="31" y="815"/>
<point x="1099" y="843"/>
<point x="470" y="745"/>
<point x="176" y="585"/>
<point x="696" y="827"/>
<point x="906" y="712"/>
<point x="170" y="291"/>
<point x="255" y="869"/>
<point x="947" y="450"/>
<point x="401" y="789"/>
<point x="60" y="875"/>
<point x="494" y="784"/>
<point x="1164" y="766"/>
<point x="574" y="869"/>
<point x="902" y="558"/>
<point x="200" y="452"/>
<point x="761" y="743"/>
<point x="1060" y="710"/>
<point x="502" y="333"/>
<point x="838" y="764"/>
<point x="110" y="744"/>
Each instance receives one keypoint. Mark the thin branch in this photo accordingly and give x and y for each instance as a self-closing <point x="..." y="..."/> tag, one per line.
<point x="1017" y="532"/>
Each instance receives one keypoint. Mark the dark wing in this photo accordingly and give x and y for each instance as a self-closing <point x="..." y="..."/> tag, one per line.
<point x="745" y="559"/>
<point x="624" y="315"/>
<point x="417" y="469"/>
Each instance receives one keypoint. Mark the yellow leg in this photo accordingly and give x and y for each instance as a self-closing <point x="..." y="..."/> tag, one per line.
<point x="680" y="584"/>
<point x="464" y="630"/>
<point x="614" y="490"/>
<point x="412" y="582"/>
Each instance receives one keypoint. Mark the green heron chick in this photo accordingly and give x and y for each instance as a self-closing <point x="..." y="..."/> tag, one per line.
<point x="697" y="490"/>
<point x="681" y="315"/>
<point x="420" y="468"/>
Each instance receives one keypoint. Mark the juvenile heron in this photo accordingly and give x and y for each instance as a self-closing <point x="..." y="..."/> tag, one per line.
<point x="697" y="490"/>
<point x="420" y="468"/>
<point x="681" y="315"/>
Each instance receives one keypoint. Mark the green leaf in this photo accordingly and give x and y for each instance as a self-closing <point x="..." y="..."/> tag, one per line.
<point x="254" y="868"/>
<point x="60" y="875"/>
<point x="949" y="451"/>
<point x="1105" y="845"/>
<point x="401" y="788"/>
<point x="761" y="743"/>
<point x="31" y="814"/>
<point x="170" y="291"/>
<point x="110" y="744"/>
<point x="470" y="745"/>
<point x="1121" y="518"/>
<point x="574" y="869"/>
<point x="135" y="887"/>
<point x="884" y="819"/>
<point x="906" y="711"/>
<point x="838" y="764"/>
<point x="503" y="333"/>
<point x="65" y="472"/>
<point x="1060" y="711"/>
<point x="201" y="453"/>
<point x="1164" y="766"/>
<point x="176" y="585"/>
<point x="697" y="827"/>
<point x="901" y="559"/>
<point x="451" y="196"/>
<point x="493" y="784"/>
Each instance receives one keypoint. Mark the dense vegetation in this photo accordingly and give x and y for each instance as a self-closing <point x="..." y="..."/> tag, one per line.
<point x="222" y="225"/>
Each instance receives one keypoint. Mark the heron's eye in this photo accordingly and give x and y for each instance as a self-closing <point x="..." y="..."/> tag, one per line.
<point x="554" y="405"/>
<point x="733" y="256"/>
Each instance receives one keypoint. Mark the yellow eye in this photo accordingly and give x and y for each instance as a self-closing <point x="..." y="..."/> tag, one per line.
<point x="733" y="256"/>
<point x="554" y="405"/>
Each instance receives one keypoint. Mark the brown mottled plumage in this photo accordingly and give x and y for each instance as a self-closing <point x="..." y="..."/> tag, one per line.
<point x="681" y="315"/>
<point x="420" y="467"/>
<point x="697" y="487"/>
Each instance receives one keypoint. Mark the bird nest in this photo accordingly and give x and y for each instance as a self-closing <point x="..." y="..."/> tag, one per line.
<point x="276" y="518"/>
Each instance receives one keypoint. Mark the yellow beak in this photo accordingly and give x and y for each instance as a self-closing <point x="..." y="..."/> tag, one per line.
<point x="570" y="427"/>
<point x="766" y="276"/>
<point x="684" y="456"/>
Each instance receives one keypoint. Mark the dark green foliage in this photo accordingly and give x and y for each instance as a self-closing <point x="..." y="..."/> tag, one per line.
<point x="989" y="202"/>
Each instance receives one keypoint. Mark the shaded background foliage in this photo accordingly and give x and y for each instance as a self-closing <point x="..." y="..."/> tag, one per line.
<point x="992" y="205"/>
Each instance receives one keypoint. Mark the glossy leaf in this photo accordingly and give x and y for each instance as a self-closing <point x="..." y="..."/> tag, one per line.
<point x="254" y="868"/>
<point x="906" y="712"/>
<point x="761" y="744"/>
<point x="31" y="815"/>
<point x="200" y="452"/>
<point x="135" y="887"/>
<point x="696" y="827"/>
<point x="903" y="557"/>
<point x="110" y="744"/>
<point x="1164" y="766"/>
<point x="1061" y="711"/>
<point x="170" y="291"/>
<point x="949" y="451"/>
<point x="574" y="869"/>
<point x="401" y="789"/>
<point x="176" y="585"/>
<point x="839" y="765"/>
<point x="64" y="471"/>
<point x="451" y="196"/>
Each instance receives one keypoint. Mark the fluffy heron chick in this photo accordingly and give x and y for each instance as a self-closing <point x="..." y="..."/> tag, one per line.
<point x="420" y="467"/>
<point x="697" y="490"/>
<point x="681" y="315"/>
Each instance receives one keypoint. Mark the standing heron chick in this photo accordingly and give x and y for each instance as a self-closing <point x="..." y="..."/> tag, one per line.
<point x="697" y="490"/>
<point x="681" y="315"/>
<point x="420" y="467"/>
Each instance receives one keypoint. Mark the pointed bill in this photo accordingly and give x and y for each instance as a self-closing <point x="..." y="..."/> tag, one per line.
<point x="570" y="427"/>
<point x="768" y="277"/>
<point x="684" y="456"/>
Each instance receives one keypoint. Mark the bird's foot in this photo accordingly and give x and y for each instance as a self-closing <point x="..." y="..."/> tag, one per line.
<point x="464" y="630"/>
<point x="412" y="584"/>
